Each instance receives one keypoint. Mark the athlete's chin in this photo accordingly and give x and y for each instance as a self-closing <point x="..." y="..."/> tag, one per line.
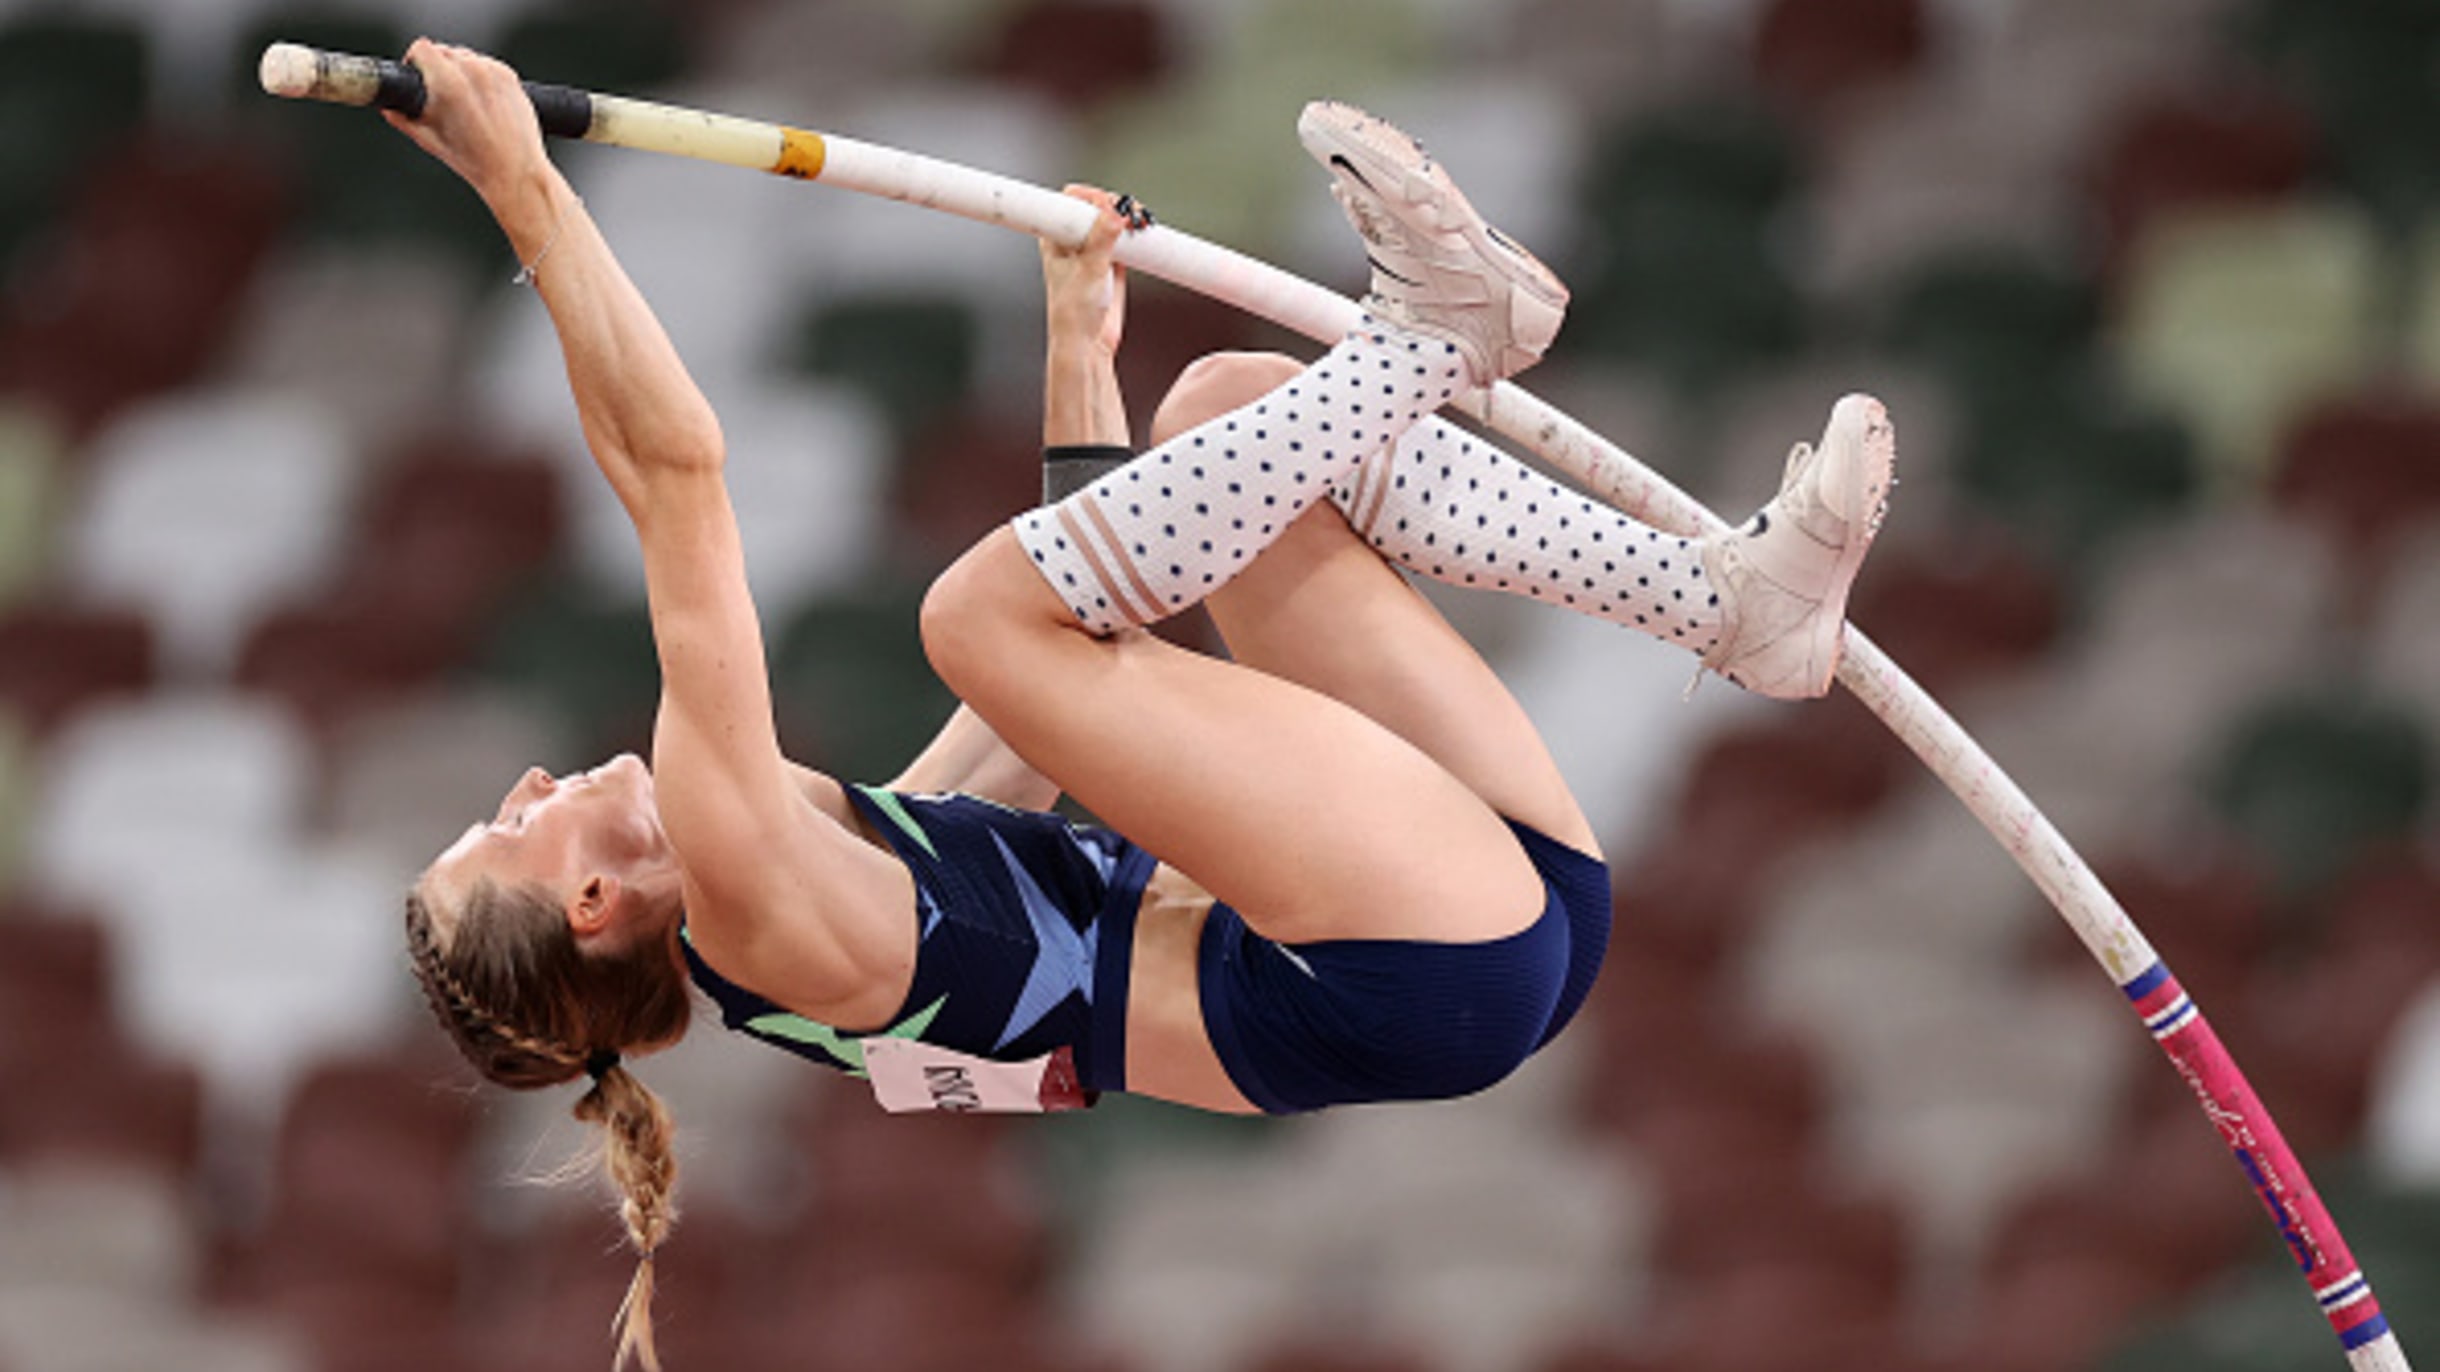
<point x="630" y="771"/>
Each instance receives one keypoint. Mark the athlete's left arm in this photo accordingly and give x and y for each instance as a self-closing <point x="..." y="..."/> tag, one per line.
<point x="1085" y="307"/>
<point x="1085" y="299"/>
<point x="966" y="755"/>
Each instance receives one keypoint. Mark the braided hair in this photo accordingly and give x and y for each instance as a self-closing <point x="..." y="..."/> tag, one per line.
<point x="530" y="1008"/>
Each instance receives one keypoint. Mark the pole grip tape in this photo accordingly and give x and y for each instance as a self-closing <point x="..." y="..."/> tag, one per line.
<point x="564" y="111"/>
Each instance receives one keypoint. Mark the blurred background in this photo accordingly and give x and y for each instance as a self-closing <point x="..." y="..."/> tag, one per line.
<point x="301" y="563"/>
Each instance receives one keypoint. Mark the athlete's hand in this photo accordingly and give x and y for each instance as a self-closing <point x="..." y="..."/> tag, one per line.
<point x="476" y="119"/>
<point x="1085" y="291"/>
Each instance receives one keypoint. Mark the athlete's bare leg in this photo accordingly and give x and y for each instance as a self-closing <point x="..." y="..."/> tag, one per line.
<point x="1321" y="609"/>
<point x="1305" y="814"/>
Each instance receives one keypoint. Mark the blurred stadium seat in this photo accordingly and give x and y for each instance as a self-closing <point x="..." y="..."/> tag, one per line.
<point x="207" y="511"/>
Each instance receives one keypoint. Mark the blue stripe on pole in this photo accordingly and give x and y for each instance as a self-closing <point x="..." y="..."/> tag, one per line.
<point x="2365" y="1333"/>
<point x="2149" y="982"/>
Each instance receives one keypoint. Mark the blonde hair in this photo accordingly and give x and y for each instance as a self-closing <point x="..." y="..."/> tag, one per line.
<point x="530" y="1008"/>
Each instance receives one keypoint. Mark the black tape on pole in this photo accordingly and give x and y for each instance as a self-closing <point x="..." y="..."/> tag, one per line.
<point x="564" y="111"/>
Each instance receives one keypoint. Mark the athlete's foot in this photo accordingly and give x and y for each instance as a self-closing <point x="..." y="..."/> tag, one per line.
<point x="1783" y="577"/>
<point x="1437" y="268"/>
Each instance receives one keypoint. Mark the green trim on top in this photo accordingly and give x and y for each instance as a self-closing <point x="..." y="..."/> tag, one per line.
<point x="798" y="1029"/>
<point x="890" y="805"/>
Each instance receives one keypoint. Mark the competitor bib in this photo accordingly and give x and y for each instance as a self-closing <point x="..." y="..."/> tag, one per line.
<point x="909" y="1076"/>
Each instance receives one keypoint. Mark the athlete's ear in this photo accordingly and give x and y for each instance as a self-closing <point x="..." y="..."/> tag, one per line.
<point x="589" y="910"/>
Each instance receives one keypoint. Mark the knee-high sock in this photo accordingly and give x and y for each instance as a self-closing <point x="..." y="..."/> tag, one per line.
<point x="1456" y="508"/>
<point x="1175" y="524"/>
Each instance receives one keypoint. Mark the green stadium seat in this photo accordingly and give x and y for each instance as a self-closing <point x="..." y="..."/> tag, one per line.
<point x="2365" y="70"/>
<point x="1345" y="46"/>
<point x="2202" y="1342"/>
<point x="359" y="182"/>
<point x="2074" y="469"/>
<point x="1694" y="292"/>
<point x="590" y="665"/>
<point x="1993" y="323"/>
<point x="70" y="85"/>
<point x="915" y="355"/>
<point x="2264" y="1321"/>
<point x="1680" y="270"/>
<point x="624" y="47"/>
<point x="29" y="462"/>
<point x="2310" y="781"/>
<point x="2422" y="308"/>
<point x="1736" y="157"/>
<point x="853" y="691"/>
<point x="17" y="782"/>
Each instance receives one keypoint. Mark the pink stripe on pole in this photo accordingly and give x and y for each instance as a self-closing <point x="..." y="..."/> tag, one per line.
<point x="2159" y="998"/>
<point x="2246" y="1127"/>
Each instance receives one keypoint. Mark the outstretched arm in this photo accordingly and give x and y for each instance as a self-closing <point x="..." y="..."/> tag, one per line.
<point x="643" y="417"/>
<point x="739" y="815"/>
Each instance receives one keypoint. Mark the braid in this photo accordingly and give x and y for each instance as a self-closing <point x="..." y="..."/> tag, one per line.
<point x="460" y="1012"/>
<point x="638" y="1157"/>
<point x="530" y="1009"/>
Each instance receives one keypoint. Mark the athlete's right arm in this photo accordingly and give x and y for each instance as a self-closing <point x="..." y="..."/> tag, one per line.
<point x="773" y="882"/>
<point x="643" y="417"/>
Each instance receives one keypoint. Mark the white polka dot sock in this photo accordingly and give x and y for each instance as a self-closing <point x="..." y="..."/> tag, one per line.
<point x="1172" y="526"/>
<point x="1456" y="508"/>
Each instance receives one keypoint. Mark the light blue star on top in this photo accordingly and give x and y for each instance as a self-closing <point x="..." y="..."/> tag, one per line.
<point x="1063" y="958"/>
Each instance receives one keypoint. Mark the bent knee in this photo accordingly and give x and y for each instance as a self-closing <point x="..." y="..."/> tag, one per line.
<point x="1216" y="383"/>
<point x="971" y="609"/>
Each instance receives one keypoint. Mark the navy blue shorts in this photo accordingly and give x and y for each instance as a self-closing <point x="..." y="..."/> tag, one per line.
<point x="1340" y="1021"/>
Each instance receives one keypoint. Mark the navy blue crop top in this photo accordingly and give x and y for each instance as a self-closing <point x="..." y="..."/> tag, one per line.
<point x="1025" y="921"/>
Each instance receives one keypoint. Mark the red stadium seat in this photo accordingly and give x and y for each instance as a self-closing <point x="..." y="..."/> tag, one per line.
<point x="2229" y="144"/>
<point x="1319" y="1356"/>
<point x="936" y="1193"/>
<point x="369" y="1190"/>
<point x="56" y="660"/>
<point x="2361" y="467"/>
<point x="72" y="1089"/>
<point x="2208" y="913"/>
<point x="455" y="521"/>
<point x="1961" y="612"/>
<point x="1817" y="57"/>
<point x="1079" y="53"/>
<point x="144" y="299"/>
<point x="330" y="661"/>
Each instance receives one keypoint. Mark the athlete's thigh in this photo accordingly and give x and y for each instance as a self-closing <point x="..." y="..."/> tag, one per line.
<point x="1321" y="609"/>
<point x="1311" y="819"/>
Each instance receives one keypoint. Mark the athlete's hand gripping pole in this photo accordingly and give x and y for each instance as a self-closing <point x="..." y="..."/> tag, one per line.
<point x="1604" y="469"/>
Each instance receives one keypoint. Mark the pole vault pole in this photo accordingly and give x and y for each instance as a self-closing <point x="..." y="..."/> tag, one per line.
<point x="2168" y="1013"/>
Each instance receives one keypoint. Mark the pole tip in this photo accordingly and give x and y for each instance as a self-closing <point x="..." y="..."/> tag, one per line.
<point x="288" y="69"/>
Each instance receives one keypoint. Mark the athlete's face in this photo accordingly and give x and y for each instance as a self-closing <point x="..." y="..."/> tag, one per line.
<point x="565" y="834"/>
